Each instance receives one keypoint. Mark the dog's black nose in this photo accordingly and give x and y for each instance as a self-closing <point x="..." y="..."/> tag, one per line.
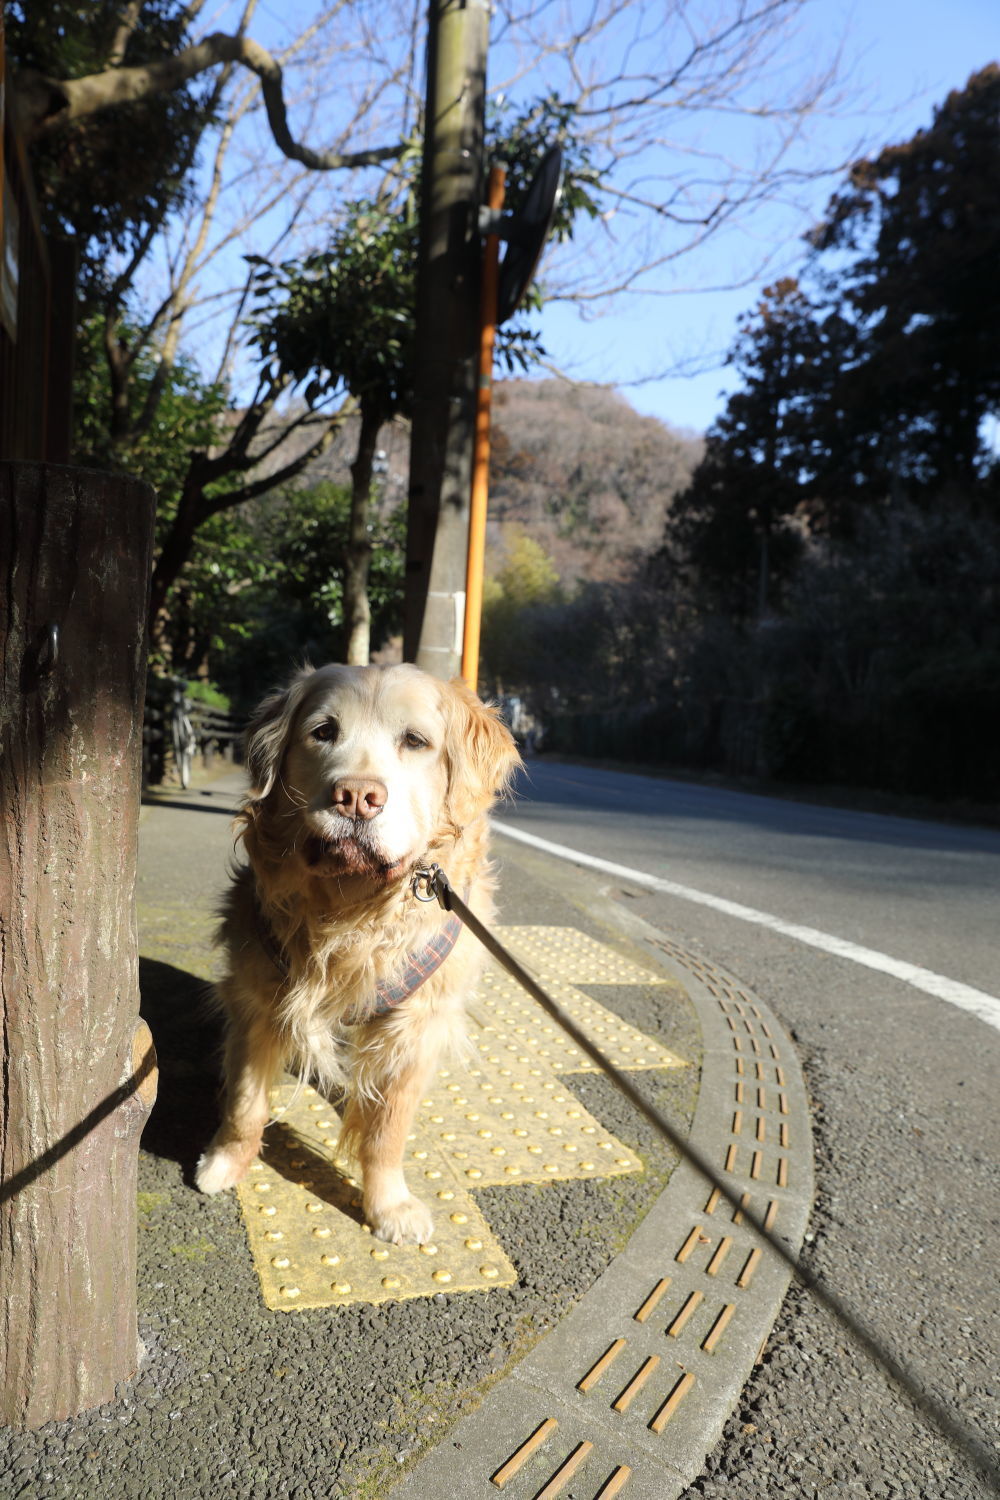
<point x="359" y="797"/>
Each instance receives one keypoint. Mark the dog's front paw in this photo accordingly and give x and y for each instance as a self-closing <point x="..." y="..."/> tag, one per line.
<point x="222" y="1167"/>
<point x="405" y="1222"/>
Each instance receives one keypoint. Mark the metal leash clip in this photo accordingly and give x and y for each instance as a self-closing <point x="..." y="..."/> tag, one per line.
<point x="430" y="883"/>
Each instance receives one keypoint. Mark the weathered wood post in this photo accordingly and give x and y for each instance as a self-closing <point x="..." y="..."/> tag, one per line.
<point x="77" y="1075"/>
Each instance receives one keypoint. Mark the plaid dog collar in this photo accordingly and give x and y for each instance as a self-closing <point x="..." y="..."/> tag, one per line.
<point x="420" y="965"/>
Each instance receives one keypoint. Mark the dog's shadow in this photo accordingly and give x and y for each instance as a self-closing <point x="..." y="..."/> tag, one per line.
<point x="187" y="1036"/>
<point x="289" y="1154"/>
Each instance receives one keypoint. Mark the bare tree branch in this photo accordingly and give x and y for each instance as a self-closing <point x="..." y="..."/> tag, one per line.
<point x="48" y="104"/>
<point x="127" y="24"/>
<point x="691" y="117"/>
<point x="290" y="470"/>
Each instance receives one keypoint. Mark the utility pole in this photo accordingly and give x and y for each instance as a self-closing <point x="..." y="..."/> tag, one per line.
<point x="444" y="410"/>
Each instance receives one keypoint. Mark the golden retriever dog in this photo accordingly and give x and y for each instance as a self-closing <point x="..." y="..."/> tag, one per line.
<point x="360" y="776"/>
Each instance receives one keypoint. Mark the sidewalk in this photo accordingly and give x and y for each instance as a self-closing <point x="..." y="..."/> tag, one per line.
<point x="587" y="1316"/>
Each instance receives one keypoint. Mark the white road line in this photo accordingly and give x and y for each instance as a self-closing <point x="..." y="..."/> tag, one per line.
<point x="977" y="1002"/>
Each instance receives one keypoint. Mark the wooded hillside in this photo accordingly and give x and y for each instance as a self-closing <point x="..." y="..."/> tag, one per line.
<point x="587" y="477"/>
<point x="584" y="474"/>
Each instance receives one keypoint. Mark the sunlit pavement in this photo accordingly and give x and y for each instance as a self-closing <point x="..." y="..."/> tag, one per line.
<point x="585" y="1316"/>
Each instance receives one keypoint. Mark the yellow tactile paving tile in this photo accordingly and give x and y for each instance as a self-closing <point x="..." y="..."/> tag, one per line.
<point x="516" y="1123"/>
<point x="310" y="1247"/>
<point x="514" y="1026"/>
<point x="507" y="1117"/>
<point x="566" y="954"/>
<point x="302" y="1206"/>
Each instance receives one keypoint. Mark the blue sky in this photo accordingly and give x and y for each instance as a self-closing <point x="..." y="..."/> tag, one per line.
<point x="904" y="56"/>
<point x="900" y="58"/>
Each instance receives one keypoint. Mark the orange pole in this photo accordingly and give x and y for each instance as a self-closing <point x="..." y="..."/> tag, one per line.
<point x="481" y="450"/>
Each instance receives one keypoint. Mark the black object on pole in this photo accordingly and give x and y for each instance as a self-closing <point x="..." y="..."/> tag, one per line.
<point x="526" y="233"/>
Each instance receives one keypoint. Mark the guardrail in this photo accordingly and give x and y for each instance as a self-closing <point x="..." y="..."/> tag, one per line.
<point x="177" y="729"/>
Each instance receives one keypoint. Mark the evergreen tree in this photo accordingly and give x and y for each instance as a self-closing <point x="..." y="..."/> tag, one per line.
<point x="734" y="520"/>
<point x="922" y="223"/>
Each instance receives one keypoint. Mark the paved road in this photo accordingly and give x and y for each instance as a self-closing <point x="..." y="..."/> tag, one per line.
<point x="920" y="891"/>
<point x="904" y="1092"/>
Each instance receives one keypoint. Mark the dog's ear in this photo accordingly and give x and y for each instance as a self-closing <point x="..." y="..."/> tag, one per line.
<point x="268" y="730"/>
<point x="482" y="756"/>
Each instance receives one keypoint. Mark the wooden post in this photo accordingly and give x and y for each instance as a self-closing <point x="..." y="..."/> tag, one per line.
<point x="77" y="1076"/>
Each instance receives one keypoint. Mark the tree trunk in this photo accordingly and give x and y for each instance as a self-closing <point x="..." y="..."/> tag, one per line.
<point x="78" y="1076"/>
<point x="764" y="570"/>
<point x="357" y="560"/>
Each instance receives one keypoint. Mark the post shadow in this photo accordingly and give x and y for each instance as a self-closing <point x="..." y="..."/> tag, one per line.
<point x="187" y="1033"/>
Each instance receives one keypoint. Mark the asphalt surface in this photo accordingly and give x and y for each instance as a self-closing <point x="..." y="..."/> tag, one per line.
<point x="923" y="891"/>
<point x="232" y="1398"/>
<point x="903" y="1089"/>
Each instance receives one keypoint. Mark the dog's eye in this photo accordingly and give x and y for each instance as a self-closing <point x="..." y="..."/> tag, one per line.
<point x="412" y="740"/>
<point x="326" y="732"/>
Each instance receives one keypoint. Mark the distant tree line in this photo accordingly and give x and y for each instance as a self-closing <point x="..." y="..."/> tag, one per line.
<point x="825" y="601"/>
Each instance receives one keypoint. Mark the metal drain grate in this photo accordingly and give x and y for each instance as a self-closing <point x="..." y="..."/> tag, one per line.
<point x="624" y="1396"/>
